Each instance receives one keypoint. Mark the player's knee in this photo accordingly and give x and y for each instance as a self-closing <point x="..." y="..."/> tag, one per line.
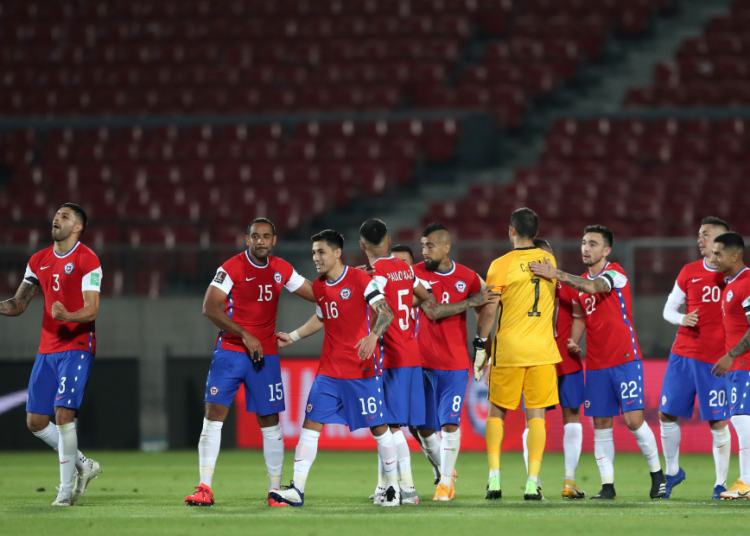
<point x="36" y="423"/>
<point x="267" y="420"/>
<point x="450" y="428"/>
<point x="634" y="422"/>
<point x="664" y="417"/>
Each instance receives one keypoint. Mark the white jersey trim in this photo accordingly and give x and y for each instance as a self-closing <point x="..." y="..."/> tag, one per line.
<point x="295" y="281"/>
<point x="736" y="276"/>
<point x="92" y="281"/>
<point x="224" y="283"/>
<point x="30" y="274"/>
<point x="707" y="267"/>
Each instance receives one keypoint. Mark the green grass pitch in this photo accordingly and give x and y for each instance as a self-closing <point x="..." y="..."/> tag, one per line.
<point x="143" y="493"/>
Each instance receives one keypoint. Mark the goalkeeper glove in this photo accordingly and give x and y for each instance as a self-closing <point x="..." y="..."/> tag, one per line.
<point x="480" y="357"/>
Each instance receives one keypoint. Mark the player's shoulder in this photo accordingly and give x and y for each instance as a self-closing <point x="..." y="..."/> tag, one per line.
<point x="419" y="268"/>
<point x="459" y="270"/>
<point x="356" y="276"/>
<point x="614" y="267"/>
<point x="277" y="263"/>
<point x="85" y="251"/>
<point x="41" y="255"/>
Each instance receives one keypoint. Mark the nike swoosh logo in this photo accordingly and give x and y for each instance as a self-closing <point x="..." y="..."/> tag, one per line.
<point x="390" y="463"/>
<point x="277" y="403"/>
<point x="66" y="461"/>
<point x="434" y="282"/>
<point x="718" y="411"/>
<point x="600" y="458"/>
<point x="631" y="402"/>
<point x="249" y="278"/>
<point x="454" y="414"/>
<point x="299" y="461"/>
<point x="321" y="298"/>
<point x="694" y="280"/>
<point x="370" y="418"/>
<point x="59" y="398"/>
<point x="44" y="267"/>
<point x="720" y="446"/>
<point x="732" y="408"/>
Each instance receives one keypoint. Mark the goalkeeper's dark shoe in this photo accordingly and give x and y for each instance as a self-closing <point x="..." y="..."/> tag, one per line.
<point x="533" y="491"/>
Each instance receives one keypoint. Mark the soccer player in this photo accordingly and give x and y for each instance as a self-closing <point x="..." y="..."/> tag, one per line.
<point x="728" y="250"/>
<point x="699" y="344"/>
<point x="569" y="381"/>
<point x="524" y="352"/>
<point x="69" y="275"/>
<point x="242" y="301"/>
<point x="614" y="375"/>
<point x="399" y="353"/>
<point x="346" y="389"/>
<point x="404" y="253"/>
<point x="445" y="358"/>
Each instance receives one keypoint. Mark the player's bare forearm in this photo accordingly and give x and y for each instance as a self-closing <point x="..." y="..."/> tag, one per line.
<point x="436" y="311"/>
<point x="87" y="313"/>
<point x="486" y="320"/>
<point x="219" y="318"/>
<point x="421" y="295"/>
<point x="385" y="317"/>
<point x="18" y="303"/>
<point x="306" y="292"/>
<point x="742" y="347"/>
<point x="311" y="327"/>
<point x="581" y="284"/>
<point x="578" y="329"/>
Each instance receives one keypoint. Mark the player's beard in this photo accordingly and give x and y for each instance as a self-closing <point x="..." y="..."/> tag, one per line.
<point x="431" y="266"/>
<point x="58" y="235"/>
<point x="592" y="261"/>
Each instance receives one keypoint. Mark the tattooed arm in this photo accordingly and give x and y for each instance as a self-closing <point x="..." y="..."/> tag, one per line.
<point x="436" y="311"/>
<point x="18" y="303"/>
<point x="581" y="284"/>
<point x="723" y="365"/>
<point x="384" y="318"/>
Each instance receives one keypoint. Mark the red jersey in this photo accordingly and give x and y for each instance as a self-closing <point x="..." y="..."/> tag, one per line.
<point x="610" y="336"/>
<point x="252" y="300"/>
<point x="443" y="343"/>
<point x="396" y="281"/>
<point x="344" y="307"/>
<point x="65" y="278"/>
<point x="570" y="362"/>
<point x="700" y="287"/>
<point x="735" y="307"/>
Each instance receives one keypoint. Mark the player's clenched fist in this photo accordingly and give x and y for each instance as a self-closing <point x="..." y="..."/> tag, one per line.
<point x="366" y="346"/>
<point x="254" y="347"/>
<point x="283" y="340"/>
<point x="691" y="319"/>
<point x="59" y="312"/>
<point x="573" y="347"/>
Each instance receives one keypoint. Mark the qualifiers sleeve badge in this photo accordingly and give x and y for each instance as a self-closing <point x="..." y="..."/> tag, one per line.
<point x="277" y="278"/>
<point x="69" y="268"/>
<point x="220" y="277"/>
<point x="345" y="293"/>
<point x="460" y="286"/>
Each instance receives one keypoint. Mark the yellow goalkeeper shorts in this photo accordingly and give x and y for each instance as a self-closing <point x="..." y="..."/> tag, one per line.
<point x="537" y="384"/>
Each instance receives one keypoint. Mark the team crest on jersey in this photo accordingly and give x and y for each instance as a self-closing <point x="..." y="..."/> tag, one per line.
<point x="214" y="390"/>
<point x="460" y="286"/>
<point x="69" y="268"/>
<point x="277" y="278"/>
<point x="730" y="295"/>
<point x="309" y="408"/>
<point x="345" y="293"/>
<point x="587" y="404"/>
<point x="663" y="400"/>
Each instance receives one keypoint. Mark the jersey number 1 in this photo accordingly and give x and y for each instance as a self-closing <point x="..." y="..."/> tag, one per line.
<point x="534" y="311"/>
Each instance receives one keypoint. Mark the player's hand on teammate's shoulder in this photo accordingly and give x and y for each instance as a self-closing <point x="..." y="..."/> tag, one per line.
<point x="573" y="347"/>
<point x="544" y="268"/>
<point x="254" y="347"/>
<point x="484" y="296"/>
<point x="59" y="312"/>
<point x="366" y="346"/>
<point x="366" y="268"/>
<point x="283" y="340"/>
<point x="722" y="366"/>
<point x="691" y="319"/>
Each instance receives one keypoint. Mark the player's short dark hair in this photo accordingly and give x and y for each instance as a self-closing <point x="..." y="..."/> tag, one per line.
<point x="541" y="243"/>
<point x="609" y="238"/>
<point x="525" y="222"/>
<point x="373" y="231"/>
<point x="261" y="220"/>
<point x="80" y="213"/>
<point x="731" y="240"/>
<point x="333" y="238"/>
<point x="713" y="220"/>
<point x="401" y="248"/>
<point x="434" y="226"/>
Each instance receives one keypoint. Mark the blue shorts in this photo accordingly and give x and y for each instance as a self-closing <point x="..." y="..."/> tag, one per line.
<point x="685" y="378"/>
<point x="58" y="380"/>
<point x="404" y="395"/>
<point x="356" y="403"/>
<point x="569" y="389"/>
<point x="264" y="390"/>
<point x="613" y="390"/>
<point x="738" y="392"/>
<point x="444" y="393"/>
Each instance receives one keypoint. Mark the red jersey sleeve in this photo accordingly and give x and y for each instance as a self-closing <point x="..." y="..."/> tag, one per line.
<point x="682" y="280"/>
<point x="475" y="285"/>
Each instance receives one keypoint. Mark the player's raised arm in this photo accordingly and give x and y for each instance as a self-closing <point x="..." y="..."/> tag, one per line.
<point x="589" y="286"/>
<point x="213" y="309"/>
<point x="18" y="303"/>
<point x="311" y="327"/>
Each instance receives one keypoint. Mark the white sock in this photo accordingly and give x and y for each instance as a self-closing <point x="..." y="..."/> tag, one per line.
<point x="722" y="449"/>
<point x="449" y="453"/>
<point x="50" y="436"/>
<point x="526" y="449"/>
<point x="741" y="425"/>
<point x="381" y="473"/>
<point x="387" y="453"/>
<point x="67" y="449"/>
<point x="647" y="443"/>
<point x="405" y="479"/>
<point x="604" y="451"/>
<point x="572" y="445"/>
<point x="671" y="434"/>
<point x="431" y="449"/>
<point x="273" y="452"/>
<point x="208" y="450"/>
<point x="304" y="456"/>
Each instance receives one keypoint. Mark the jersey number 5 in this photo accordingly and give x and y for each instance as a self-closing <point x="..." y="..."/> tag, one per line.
<point x="403" y="323"/>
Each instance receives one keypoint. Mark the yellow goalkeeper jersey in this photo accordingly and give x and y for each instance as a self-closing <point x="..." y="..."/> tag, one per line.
<point x="524" y="336"/>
